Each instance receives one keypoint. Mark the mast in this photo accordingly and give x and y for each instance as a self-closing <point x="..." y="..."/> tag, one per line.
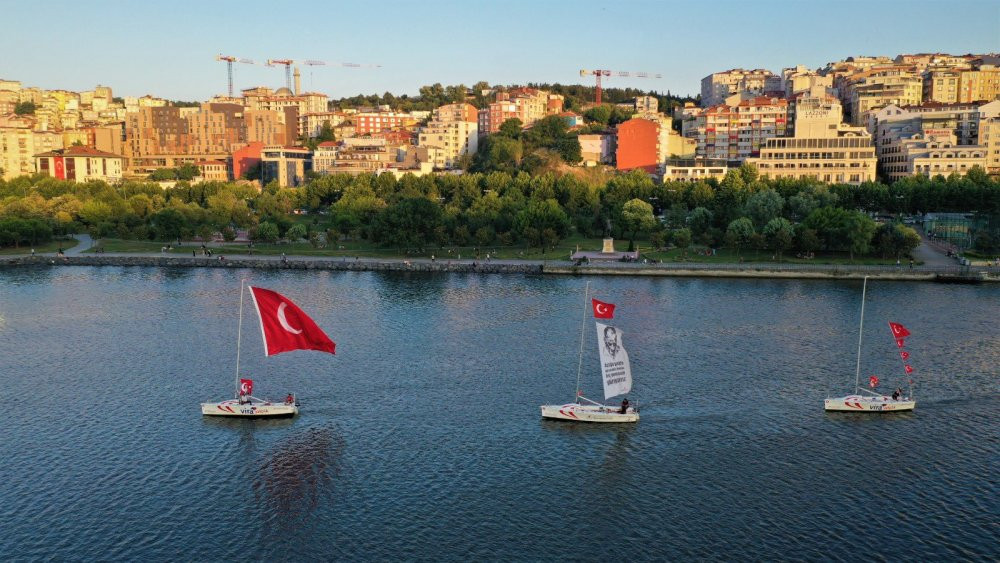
<point x="239" y="332"/>
<point x="857" y="371"/>
<point x="583" y="328"/>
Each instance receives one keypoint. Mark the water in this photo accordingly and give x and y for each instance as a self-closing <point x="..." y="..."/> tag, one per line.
<point x="421" y="438"/>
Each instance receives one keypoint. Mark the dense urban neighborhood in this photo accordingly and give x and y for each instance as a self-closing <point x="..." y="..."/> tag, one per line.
<point x="847" y="158"/>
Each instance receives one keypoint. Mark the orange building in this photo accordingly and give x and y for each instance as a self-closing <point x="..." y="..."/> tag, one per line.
<point x="637" y="145"/>
<point x="246" y="158"/>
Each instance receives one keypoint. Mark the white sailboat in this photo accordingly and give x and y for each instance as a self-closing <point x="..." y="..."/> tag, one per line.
<point x="284" y="327"/>
<point x="615" y="369"/>
<point x="871" y="401"/>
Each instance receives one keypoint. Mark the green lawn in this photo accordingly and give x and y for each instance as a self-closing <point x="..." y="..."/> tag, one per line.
<point x="561" y="251"/>
<point x="53" y="246"/>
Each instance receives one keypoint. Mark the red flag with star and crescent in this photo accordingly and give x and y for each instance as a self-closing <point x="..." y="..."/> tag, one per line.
<point x="246" y="386"/>
<point x="285" y="327"/>
<point x="602" y="310"/>
<point x="899" y="331"/>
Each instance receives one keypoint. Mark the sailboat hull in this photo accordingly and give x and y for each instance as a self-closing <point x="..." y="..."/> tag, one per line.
<point x="859" y="403"/>
<point x="589" y="413"/>
<point x="262" y="409"/>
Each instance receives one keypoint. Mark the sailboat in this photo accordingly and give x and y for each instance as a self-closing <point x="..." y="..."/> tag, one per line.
<point x="872" y="401"/>
<point x="615" y="369"/>
<point x="284" y="327"/>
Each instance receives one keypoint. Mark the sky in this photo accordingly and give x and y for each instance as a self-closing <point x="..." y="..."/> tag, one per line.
<point x="168" y="49"/>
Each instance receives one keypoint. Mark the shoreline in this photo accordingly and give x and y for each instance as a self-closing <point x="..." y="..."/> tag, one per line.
<point x="955" y="274"/>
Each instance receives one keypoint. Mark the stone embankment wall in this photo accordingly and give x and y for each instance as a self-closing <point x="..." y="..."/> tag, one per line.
<point x="375" y="265"/>
<point x="338" y="264"/>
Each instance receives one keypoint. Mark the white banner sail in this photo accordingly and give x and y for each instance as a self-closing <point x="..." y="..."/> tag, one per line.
<point x="614" y="361"/>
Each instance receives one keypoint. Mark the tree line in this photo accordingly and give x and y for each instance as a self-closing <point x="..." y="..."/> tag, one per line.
<point x="500" y="208"/>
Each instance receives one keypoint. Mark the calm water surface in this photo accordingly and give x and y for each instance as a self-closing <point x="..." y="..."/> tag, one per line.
<point x="421" y="438"/>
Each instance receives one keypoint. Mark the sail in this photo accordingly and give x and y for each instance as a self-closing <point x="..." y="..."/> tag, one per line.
<point x="615" y="369"/>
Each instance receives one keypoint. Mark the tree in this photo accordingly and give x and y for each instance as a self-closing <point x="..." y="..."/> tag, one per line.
<point x="738" y="233"/>
<point x="410" y="223"/>
<point x="779" y="233"/>
<point x="764" y="206"/>
<point x="511" y="128"/>
<point x="700" y="220"/>
<point x="266" y="232"/>
<point x="682" y="238"/>
<point x="25" y="108"/>
<point x="637" y="216"/>
<point x="296" y="232"/>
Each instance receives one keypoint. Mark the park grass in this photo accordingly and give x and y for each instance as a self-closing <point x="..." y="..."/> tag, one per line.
<point x="561" y="251"/>
<point x="52" y="246"/>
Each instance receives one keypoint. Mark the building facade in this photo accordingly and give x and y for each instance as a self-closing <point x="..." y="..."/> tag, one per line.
<point x="286" y="165"/>
<point x="80" y="164"/>
<point x="716" y="87"/>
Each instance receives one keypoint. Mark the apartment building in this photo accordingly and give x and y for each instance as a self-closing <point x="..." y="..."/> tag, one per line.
<point x="492" y="116"/>
<point x="19" y="144"/>
<point x="843" y="155"/>
<point x="735" y="130"/>
<point x="693" y="170"/>
<point x="213" y="170"/>
<point x="716" y="87"/>
<point x="928" y="153"/>
<point x="356" y="155"/>
<point x="527" y="104"/>
<point x="970" y="124"/>
<point x="311" y="124"/>
<point x="452" y="133"/>
<point x="798" y="79"/>
<point x="598" y="148"/>
<point x="878" y="87"/>
<point x="80" y="164"/>
<point x="374" y="122"/>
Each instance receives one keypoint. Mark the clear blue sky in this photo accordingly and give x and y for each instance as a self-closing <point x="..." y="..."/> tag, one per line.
<point x="167" y="49"/>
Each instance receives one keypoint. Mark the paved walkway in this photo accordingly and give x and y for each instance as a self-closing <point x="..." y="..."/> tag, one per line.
<point x="84" y="242"/>
<point x="932" y="255"/>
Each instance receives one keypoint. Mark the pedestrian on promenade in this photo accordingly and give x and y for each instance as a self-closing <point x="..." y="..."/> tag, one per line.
<point x="911" y="263"/>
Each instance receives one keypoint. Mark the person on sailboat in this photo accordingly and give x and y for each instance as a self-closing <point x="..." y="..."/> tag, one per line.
<point x="624" y="406"/>
<point x="289" y="399"/>
<point x="897" y="394"/>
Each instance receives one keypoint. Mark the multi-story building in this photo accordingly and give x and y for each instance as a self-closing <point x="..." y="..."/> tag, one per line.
<point x="375" y="122"/>
<point x="941" y="84"/>
<point x="971" y="124"/>
<point x="844" y="155"/>
<point x="356" y="155"/>
<point x="598" y="148"/>
<point x="693" y="170"/>
<point x="19" y="144"/>
<point x="453" y="132"/>
<point x="527" y="104"/>
<point x="981" y="82"/>
<point x="646" y="104"/>
<point x="80" y="164"/>
<point x="736" y="130"/>
<point x="716" y="87"/>
<point x="492" y="116"/>
<point x="213" y="170"/>
<point x="928" y="153"/>
<point x="878" y="87"/>
<point x="245" y="158"/>
<point x="800" y="79"/>
<point x="286" y="165"/>
<point x="645" y="142"/>
<point x="311" y="124"/>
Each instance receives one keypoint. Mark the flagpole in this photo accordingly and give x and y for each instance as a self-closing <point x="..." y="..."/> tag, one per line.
<point x="583" y="328"/>
<point x="239" y="333"/>
<point x="907" y="375"/>
<point x="857" y="370"/>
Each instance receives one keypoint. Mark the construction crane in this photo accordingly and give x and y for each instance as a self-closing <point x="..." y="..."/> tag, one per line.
<point x="289" y="62"/>
<point x="599" y="73"/>
<point x="229" y="67"/>
<point x="288" y="69"/>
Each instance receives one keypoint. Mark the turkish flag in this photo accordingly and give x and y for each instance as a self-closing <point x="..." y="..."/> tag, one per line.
<point x="900" y="343"/>
<point x="285" y="327"/>
<point x="908" y="369"/>
<point x="873" y="381"/>
<point x="246" y="386"/>
<point x="904" y="354"/>
<point x="602" y="310"/>
<point x="898" y="331"/>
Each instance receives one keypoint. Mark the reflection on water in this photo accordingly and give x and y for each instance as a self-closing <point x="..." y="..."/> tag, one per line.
<point x="296" y="472"/>
<point x="422" y="437"/>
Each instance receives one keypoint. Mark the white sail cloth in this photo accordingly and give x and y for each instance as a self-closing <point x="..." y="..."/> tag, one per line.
<point x="615" y="368"/>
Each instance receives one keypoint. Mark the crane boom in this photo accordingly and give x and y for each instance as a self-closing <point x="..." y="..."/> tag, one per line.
<point x="619" y="73"/>
<point x="229" y="60"/>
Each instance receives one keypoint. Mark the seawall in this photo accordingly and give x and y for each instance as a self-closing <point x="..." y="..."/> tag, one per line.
<point x="765" y="271"/>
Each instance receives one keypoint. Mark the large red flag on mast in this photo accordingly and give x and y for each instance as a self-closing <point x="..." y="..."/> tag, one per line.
<point x="899" y="331"/>
<point x="285" y="327"/>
